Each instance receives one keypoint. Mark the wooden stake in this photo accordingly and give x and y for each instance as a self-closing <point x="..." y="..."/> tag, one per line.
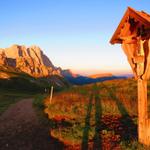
<point x="51" y="95"/>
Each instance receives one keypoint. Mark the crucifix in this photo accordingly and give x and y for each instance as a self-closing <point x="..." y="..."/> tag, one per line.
<point x="133" y="33"/>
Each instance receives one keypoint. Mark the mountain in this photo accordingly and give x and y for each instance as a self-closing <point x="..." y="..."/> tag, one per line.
<point x="21" y="65"/>
<point x="30" y="60"/>
<point x="94" y="76"/>
<point x="29" y="64"/>
<point x="81" y="80"/>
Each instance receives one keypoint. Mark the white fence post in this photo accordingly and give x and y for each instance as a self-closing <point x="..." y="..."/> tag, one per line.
<point x="51" y="95"/>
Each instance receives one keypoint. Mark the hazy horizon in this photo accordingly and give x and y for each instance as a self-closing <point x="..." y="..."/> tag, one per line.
<point x="73" y="34"/>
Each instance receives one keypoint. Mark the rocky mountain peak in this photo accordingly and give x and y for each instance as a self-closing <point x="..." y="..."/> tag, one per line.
<point x="30" y="60"/>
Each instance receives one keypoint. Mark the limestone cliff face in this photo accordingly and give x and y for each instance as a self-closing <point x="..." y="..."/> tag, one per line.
<point x="30" y="60"/>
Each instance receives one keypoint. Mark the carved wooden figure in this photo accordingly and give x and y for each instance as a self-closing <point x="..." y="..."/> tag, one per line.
<point x="133" y="33"/>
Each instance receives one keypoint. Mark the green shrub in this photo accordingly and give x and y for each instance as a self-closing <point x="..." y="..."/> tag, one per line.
<point x="39" y="101"/>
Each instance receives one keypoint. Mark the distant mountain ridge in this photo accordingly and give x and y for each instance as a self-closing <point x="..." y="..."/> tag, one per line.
<point x="81" y="80"/>
<point x="94" y="76"/>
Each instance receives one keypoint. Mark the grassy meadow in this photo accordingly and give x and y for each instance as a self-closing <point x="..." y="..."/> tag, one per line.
<point x="94" y="116"/>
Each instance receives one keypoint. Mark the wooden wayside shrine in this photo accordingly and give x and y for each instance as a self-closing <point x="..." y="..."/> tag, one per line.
<point x="133" y="33"/>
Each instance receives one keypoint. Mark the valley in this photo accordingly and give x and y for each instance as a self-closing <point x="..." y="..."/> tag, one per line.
<point x="74" y="75"/>
<point x="87" y="112"/>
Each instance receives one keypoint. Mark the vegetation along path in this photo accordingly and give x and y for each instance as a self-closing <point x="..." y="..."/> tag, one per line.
<point x="20" y="129"/>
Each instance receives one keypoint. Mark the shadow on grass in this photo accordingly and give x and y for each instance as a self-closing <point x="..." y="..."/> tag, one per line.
<point x="98" y="113"/>
<point x="87" y="125"/>
<point x="130" y="129"/>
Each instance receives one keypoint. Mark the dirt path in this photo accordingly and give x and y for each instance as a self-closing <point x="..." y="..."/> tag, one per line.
<point x="21" y="130"/>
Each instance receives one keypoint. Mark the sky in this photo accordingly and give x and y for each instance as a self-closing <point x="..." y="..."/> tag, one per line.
<point x="74" y="34"/>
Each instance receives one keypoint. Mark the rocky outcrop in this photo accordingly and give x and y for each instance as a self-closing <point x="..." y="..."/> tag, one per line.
<point x="30" y="60"/>
<point x="68" y="73"/>
<point x="2" y="58"/>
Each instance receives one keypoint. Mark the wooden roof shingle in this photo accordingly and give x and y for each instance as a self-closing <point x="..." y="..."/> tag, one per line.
<point x="130" y="12"/>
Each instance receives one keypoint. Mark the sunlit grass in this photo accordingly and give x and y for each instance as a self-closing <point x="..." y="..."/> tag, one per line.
<point x="76" y="119"/>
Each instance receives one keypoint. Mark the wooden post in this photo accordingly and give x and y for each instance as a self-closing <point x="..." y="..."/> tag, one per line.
<point x="51" y="95"/>
<point x="142" y="108"/>
<point x="143" y="121"/>
<point x="133" y="33"/>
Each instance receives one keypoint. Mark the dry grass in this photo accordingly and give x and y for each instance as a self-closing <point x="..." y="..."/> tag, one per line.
<point x="78" y="113"/>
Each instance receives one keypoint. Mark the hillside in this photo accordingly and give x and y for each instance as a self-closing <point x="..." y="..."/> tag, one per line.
<point x="14" y="79"/>
<point x="96" y="115"/>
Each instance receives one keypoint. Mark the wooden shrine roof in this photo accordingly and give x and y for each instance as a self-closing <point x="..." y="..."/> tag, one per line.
<point x="130" y="12"/>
